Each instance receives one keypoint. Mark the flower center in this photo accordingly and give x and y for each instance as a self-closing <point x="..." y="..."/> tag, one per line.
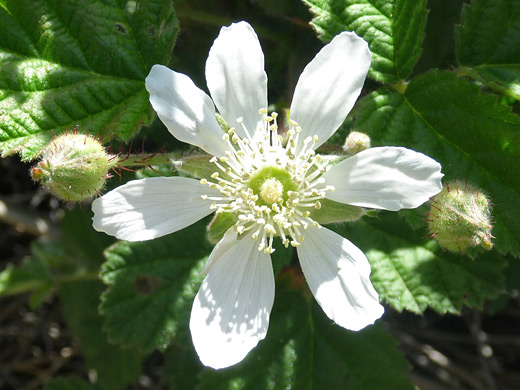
<point x="272" y="184"/>
<point x="269" y="186"/>
<point x="271" y="191"/>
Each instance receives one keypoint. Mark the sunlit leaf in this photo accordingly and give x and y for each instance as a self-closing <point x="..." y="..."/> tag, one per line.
<point x="470" y="134"/>
<point x="74" y="63"/>
<point x="152" y="287"/>
<point x="488" y="41"/>
<point x="304" y="350"/>
<point x="412" y="273"/>
<point x="393" y="29"/>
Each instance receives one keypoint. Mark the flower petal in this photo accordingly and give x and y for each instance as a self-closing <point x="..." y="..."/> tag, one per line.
<point x="149" y="208"/>
<point x="225" y="243"/>
<point x="338" y="275"/>
<point x="236" y="77"/>
<point x="329" y="86"/>
<point x="187" y="112"/>
<point x="230" y="313"/>
<point x="389" y="178"/>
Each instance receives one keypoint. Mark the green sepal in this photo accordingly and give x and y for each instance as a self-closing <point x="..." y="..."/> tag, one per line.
<point x="334" y="212"/>
<point x="222" y="123"/>
<point x="219" y="226"/>
<point x="197" y="166"/>
<point x="334" y="158"/>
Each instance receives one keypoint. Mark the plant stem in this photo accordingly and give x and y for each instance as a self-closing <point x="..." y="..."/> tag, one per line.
<point x="143" y="159"/>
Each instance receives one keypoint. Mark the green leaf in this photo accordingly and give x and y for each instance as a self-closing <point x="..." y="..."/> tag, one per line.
<point x="64" y="63"/>
<point x="30" y="275"/>
<point x="487" y="42"/>
<point x="470" y="134"/>
<point x="304" y="350"/>
<point x="82" y="243"/>
<point x="181" y="366"/>
<point x="115" y="367"/>
<point x="512" y="274"/>
<point x="412" y="273"/>
<point x="70" y="383"/>
<point x="393" y="29"/>
<point x="152" y="286"/>
<point x="76" y="255"/>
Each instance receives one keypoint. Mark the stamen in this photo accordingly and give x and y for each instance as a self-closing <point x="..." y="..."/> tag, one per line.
<point x="273" y="211"/>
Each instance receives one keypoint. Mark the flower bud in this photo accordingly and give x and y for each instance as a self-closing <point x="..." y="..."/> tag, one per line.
<point x="73" y="167"/>
<point x="460" y="217"/>
<point x="356" y="142"/>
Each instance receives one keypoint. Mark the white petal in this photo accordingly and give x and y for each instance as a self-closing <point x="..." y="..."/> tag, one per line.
<point x="225" y="243"/>
<point x="389" y="178"/>
<point x="230" y="313"/>
<point x="329" y="86"/>
<point x="187" y="112"/>
<point x="338" y="275"/>
<point x="149" y="208"/>
<point x="236" y="77"/>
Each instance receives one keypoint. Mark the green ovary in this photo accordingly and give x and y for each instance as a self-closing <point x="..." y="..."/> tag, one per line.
<point x="271" y="184"/>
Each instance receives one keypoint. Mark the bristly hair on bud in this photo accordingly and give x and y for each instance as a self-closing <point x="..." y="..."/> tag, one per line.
<point x="460" y="217"/>
<point x="356" y="142"/>
<point x="73" y="166"/>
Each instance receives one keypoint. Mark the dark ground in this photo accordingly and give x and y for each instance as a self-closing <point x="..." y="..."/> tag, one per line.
<point x="476" y="350"/>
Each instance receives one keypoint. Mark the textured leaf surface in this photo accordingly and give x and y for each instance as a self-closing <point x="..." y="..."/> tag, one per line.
<point x="115" y="367"/>
<point x="74" y="63"/>
<point x="413" y="274"/>
<point x="490" y="47"/>
<point x="393" y="29"/>
<point x="472" y="136"/>
<point x="304" y="350"/>
<point x="152" y="286"/>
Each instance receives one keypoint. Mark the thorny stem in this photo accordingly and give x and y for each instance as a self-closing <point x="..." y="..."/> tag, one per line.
<point x="141" y="160"/>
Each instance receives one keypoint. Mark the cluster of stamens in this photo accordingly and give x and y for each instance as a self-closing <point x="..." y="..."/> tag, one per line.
<point x="281" y="204"/>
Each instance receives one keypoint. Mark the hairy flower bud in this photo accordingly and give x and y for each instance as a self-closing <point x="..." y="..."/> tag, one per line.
<point x="460" y="217"/>
<point x="73" y="167"/>
<point x="356" y="142"/>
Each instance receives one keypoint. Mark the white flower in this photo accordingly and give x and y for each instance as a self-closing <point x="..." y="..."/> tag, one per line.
<point x="269" y="187"/>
